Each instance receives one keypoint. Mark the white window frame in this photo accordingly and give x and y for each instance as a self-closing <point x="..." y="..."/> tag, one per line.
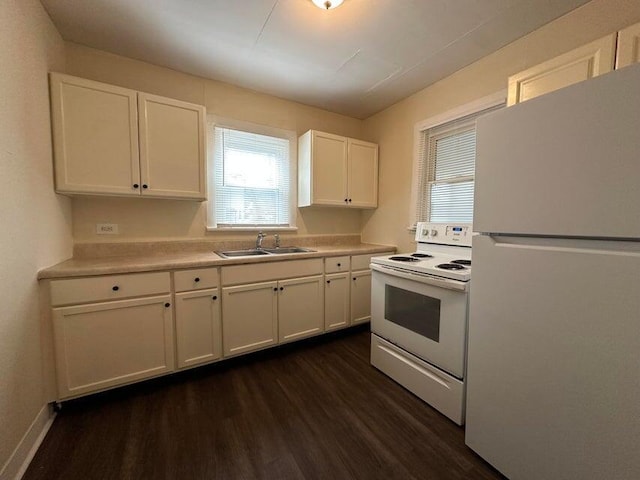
<point x="214" y="121"/>
<point x="471" y="108"/>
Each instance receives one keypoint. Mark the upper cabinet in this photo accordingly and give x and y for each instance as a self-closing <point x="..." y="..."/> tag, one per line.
<point x="618" y="49"/>
<point x="110" y="140"/>
<point x="572" y="67"/>
<point x="337" y="171"/>
<point x="628" y="46"/>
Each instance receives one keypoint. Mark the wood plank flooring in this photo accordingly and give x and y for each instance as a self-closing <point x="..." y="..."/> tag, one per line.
<point x="315" y="410"/>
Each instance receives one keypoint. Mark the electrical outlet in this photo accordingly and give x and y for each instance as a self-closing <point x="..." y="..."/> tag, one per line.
<point x="107" y="228"/>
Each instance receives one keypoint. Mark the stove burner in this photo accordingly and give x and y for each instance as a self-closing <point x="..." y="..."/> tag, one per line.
<point x="421" y="255"/>
<point x="462" y="262"/>
<point x="451" y="266"/>
<point x="404" y="259"/>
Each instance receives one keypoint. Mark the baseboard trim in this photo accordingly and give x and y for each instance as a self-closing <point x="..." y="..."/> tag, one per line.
<point x="23" y="454"/>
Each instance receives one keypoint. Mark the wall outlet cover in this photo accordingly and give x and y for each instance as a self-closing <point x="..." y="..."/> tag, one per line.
<point x="107" y="228"/>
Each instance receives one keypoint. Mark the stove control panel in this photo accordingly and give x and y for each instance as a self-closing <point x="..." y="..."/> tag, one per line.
<point x="444" y="233"/>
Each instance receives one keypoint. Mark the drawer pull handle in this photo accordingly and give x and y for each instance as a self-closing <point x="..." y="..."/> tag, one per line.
<point x="197" y="279"/>
<point x="167" y="304"/>
<point x="339" y="264"/>
<point x="215" y="297"/>
<point x="115" y="288"/>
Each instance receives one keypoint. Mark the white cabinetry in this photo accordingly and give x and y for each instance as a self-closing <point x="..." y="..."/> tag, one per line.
<point x="628" y="46"/>
<point x="198" y="322"/>
<point x="337" y="171"/>
<point x="110" y="140"/>
<point x="360" y="297"/>
<point x="572" y="67"/>
<point x="286" y="305"/>
<point x="336" y="301"/>
<point x="111" y="341"/>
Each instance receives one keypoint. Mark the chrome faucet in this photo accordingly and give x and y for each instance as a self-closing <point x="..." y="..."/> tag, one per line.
<point x="276" y="238"/>
<point x="259" y="239"/>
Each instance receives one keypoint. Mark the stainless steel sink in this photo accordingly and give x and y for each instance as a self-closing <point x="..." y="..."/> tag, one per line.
<point x="281" y="250"/>
<point x="242" y="253"/>
<point x="252" y="252"/>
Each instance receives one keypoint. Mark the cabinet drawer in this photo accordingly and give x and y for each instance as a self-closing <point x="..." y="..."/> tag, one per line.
<point x="336" y="264"/>
<point x="361" y="262"/>
<point x="108" y="287"/>
<point x="271" y="271"/>
<point x="196" y="279"/>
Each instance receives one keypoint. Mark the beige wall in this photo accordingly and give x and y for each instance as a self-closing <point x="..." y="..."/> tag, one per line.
<point x="393" y="127"/>
<point x="36" y="223"/>
<point x="151" y="219"/>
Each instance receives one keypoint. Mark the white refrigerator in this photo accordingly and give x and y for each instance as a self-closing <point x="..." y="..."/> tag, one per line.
<point x="553" y="388"/>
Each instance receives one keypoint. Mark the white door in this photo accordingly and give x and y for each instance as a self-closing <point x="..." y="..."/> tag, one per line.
<point x="172" y="148"/>
<point x="249" y="317"/>
<point x="300" y="308"/>
<point x="336" y="301"/>
<point x="553" y="359"/>
<point x="360" y="297"/>
<point x="95" y="133"/>
<point x="363" y="174"/>
<point x="329" y="160"/>
<point x="198" y="327"/>
<point x="106" y="344"/>
<point x="565" y="164"/>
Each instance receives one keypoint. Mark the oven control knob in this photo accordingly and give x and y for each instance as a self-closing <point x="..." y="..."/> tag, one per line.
<point x="434" y="232"/>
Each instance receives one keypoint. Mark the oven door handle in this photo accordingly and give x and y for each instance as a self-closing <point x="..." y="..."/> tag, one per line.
<point x="420" y="277"/>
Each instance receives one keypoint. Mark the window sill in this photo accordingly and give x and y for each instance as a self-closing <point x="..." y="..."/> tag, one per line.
<point x="251" y="229"/>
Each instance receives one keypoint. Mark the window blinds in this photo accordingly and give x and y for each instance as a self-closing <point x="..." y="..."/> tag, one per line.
<point x="250" y="179"/>
<point x="446" y="156"/>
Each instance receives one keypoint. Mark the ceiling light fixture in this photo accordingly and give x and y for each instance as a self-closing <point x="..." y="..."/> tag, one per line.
<point x="327" y="4"/>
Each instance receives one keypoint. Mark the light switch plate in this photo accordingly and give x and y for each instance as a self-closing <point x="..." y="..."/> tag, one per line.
<point x="107" y="228"/>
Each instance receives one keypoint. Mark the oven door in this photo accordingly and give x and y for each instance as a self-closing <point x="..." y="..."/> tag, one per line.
<point x="425" y="319"/>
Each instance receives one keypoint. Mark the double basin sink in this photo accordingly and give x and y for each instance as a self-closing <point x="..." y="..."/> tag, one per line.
<point x="263" y="251"/>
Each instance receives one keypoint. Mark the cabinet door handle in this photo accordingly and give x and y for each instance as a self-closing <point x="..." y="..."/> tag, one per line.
<point x="144" y="185"/>
<point x="215" y="297"/>
<point x="349" y="200"/>
<point x="275" y="289"/>
<point x="135" y="185"/>
<point x="167" y="304"/>
<point x="354" y="279"/>
<point x="346" y="200"/>
<point x="281" y="288"/>
<point x="339" y="264"/>
<point x="328" y="281"/>
<point x="197" y="279"/>
<point x="115" y="288"/>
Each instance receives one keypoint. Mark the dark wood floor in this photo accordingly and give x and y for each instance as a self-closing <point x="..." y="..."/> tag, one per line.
<point x="315" y="410"/>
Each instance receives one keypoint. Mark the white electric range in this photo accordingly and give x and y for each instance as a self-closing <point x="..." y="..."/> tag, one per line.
<point x="419" y="312"/>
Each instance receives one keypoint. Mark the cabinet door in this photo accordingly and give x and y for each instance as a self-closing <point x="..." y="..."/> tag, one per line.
<point x="106" y="344"/>
<point x="572" y="67"/>
<point x="300" y="308"/>
<point x="172" y="146"/>
<point x="360" y="297"/>
<point x="336" y="301"/>
<point x="95" y="134"/>
<point x="363" y="174"/>
<point x="249" y="317"/>
<point x="198" y="327"/>
<point x="329" y="160"/>
<point x="628" y="51"/>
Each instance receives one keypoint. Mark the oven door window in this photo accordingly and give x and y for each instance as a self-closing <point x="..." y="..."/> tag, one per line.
<point x="413" y="311"/>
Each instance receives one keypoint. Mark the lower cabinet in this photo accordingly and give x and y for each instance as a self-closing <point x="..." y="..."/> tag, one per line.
<point x="300" y="308"/>
<point x="102" y="345"/>
<point x="198" y="327"/>
<point x="249" y="317"/>
<point x="360" y="297"/>
<point x="336" y="301"/>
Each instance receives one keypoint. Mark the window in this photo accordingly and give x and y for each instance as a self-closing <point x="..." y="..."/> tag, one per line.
<point x="250" y="178"/>
<point x="445" y="164"/>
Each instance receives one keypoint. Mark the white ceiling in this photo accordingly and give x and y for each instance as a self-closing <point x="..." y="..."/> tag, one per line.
<point x="356" y="59"/>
